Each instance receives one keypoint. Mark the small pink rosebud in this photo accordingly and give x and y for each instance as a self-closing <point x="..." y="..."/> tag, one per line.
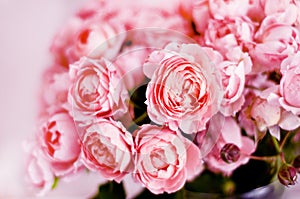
<point x="296" y="163"/>
<point x="287" y="175"/>
<point x="230" y="153"/>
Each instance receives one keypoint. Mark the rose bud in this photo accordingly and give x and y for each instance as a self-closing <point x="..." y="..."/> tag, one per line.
<point x="296" y="163"/>
<point x="287" y="175"/>
<point x="230" y="153"/>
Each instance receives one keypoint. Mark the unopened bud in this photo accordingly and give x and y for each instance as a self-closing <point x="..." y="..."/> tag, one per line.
<point x="287" y="175"/>
<point x="230" y="153"/>
<point x="296" y="163"/>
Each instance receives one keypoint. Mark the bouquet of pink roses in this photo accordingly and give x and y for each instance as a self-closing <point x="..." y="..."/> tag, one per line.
<point x="177" y="97"/>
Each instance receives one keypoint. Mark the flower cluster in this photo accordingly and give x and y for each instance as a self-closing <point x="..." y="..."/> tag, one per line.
<point x="218" y="76"/>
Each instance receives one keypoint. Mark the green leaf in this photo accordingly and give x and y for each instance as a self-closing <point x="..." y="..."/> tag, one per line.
<point x="206" y="182"/>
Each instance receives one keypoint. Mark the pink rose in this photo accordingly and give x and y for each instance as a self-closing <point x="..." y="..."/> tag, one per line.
<point x="201" y="15"/>
<point x="265" y="114"/>
<point x="38" y="170"/>
<point x="39" y="173"/>
<point x="164" y="159"/>
<point x="221" y="9"/>
<point x="225" y="34"/>
<point x="93" y="37"/>
<point x="142" y="14"/>
<point x="234" y="148"/>
<point x="275" y="41"/>
<point x="184" y="90"/>
<point x="256" y="10"/>
<point x="290" y="84"/>
<point x="138" y="44"/>
<point x="215" y="56"/>
<point x="63" y="40"/>
<point x="96" y="90"/>
<point x="90" y="9"/>
<point x="233" y="73"/>
<point x="244" y="117"/>
<point x="205" y="10"/>
<point x="130" y="64"/>
<point x="55" y="90"/>
<point x="97" y="38"/>
<point x="60" y="142"/>
<point x="107" y="148"/>
<point x="275" y="6"/>
<point x="286" y="11"/>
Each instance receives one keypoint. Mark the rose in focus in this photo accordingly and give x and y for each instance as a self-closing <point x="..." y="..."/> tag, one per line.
<point x="164" y="159"/>
<point x="184" y="91"/>
<point x="107" y="148"/>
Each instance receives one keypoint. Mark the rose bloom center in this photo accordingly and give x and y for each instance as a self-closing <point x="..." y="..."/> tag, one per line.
<point x="184" y="88"/>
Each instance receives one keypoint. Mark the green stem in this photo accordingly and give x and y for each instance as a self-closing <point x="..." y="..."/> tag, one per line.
<point x="282" y="157"/>
<point x="284" y="141"/>
<point x="265" y="158"/>
<point x="138" y="120"/>
<point x="276" y="145"/>
<point x="55" y="182"/>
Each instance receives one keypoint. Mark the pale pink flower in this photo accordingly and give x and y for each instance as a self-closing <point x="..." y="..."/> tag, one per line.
<point x="233" y="73"/>
<point x="230" y="134"/>
<point x="286" y="11"/>
<point x="221" y="9"/>
<point x="94" y="37"/>
<point x="274" y="42"/>
<point x="225" y="34"/>
<point x="63" y="39"/>
<point x="184" y="90"/>
<point x="38" y="169"/>
<point x="264" y="112"/>
<point x="108" y="148"/>
<point x="142" y="14"/>
<point x="98" y="38"/>
<point x="130" y="65"/>
<point x="201" y="15"/>
<point x="139" y="43"/>
<point x="256" y="10"/>
<point x="164" y="159"/>
<point x="60" y="142"/>
<point x="290" y="84"/>
<point x="96" y="90"/>
<point x="54" y="90"/>
<point x="92" y="8"/>
<point x="244" y="117"/>
<point x="215" y="56"/>
<point x="275" y="6"/>
<point x="205" y="10"/>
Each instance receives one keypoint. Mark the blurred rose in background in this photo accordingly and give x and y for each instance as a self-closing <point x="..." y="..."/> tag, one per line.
<point x="27" y="27"/>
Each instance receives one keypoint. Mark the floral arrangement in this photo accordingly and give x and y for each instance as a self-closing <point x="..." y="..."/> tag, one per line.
<point x="177" y="96"/>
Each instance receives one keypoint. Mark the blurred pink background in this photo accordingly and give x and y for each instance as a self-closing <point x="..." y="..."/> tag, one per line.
<point x="27" y="27"/>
